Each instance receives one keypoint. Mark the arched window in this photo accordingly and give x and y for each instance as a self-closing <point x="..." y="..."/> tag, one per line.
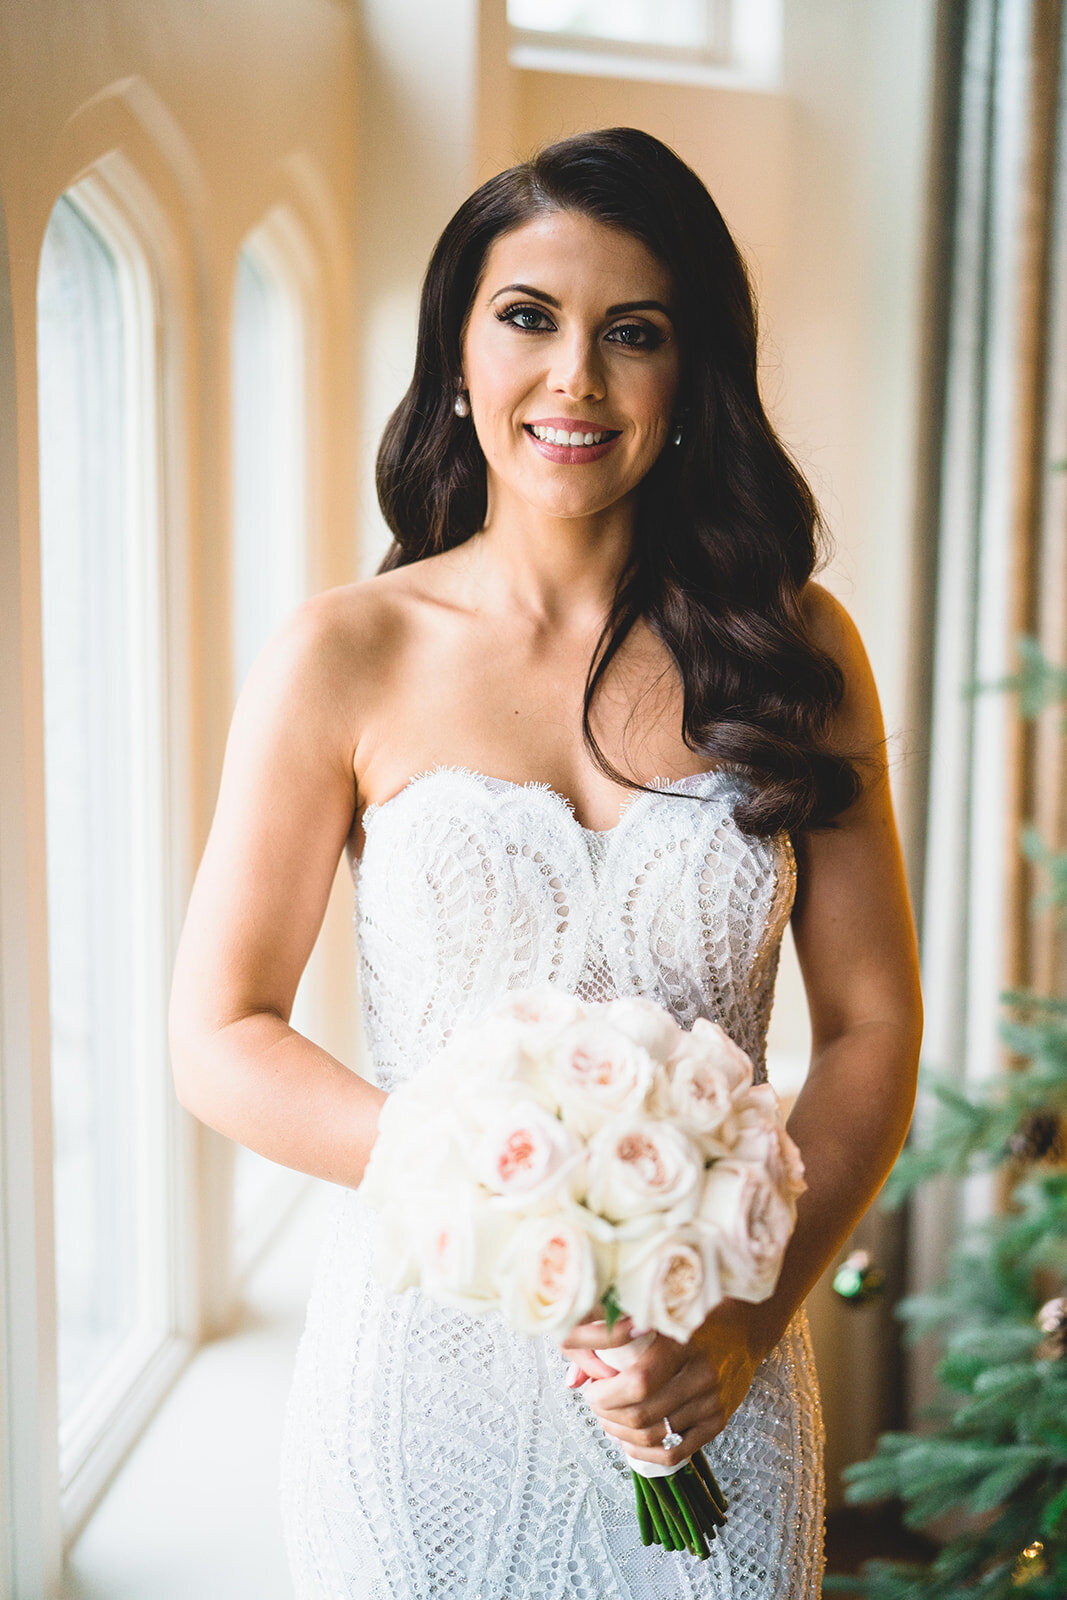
<point x="104" y="739"/>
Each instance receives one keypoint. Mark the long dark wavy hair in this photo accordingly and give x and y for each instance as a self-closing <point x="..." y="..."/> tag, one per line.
<point x="726" y="530"/>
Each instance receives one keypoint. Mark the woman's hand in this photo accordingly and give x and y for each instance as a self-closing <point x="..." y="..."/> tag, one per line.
<point x="698" y="1385"/>
<point x="589" y="1336"/>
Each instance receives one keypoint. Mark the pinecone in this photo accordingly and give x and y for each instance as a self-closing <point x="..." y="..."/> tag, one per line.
<point x="1039" y="1137"/>
<point x="1052" y="1320"/>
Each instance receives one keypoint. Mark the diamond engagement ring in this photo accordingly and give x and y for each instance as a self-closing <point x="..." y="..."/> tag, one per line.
<point x="670" y="1438"/>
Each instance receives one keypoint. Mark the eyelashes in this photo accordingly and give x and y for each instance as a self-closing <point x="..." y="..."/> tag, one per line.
<point x="649" y="340"/>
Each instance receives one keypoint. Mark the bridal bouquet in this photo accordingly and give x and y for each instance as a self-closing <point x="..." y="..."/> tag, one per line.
<point x="558" y="1154"/>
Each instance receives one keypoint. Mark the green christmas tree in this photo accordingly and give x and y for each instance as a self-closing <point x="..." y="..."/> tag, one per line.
<point x="993" y="1454"/>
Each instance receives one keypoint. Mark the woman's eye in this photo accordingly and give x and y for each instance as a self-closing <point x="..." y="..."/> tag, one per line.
<point x="513" y="314"/>
<point x="637" y="335"/>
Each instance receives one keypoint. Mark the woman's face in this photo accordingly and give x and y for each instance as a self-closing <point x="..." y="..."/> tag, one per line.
<point x="570" y="333"/>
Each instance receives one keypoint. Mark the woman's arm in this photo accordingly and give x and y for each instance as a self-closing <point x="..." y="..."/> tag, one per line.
<point x="855" y="940"/>
<point x="856" y="945"/>
<point x="285" y="809"/>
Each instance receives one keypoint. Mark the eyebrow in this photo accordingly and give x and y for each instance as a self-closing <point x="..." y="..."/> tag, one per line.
<point x="550" y="300"/>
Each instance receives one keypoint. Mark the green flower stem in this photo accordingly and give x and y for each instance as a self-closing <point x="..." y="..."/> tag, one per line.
<point x="644" y="1520"/>
<point x="693" y="1489"/>
<point x="696" y="1538"/>
<point x="703" y="1467"/>
<point x="652" y="1501"/>
<point x="671" y="1540"/>
<point x="670" y="1512"/>
<point x="682" y="1510"/>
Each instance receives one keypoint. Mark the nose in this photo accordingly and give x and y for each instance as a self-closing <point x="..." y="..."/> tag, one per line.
<point x="577" y="371"/>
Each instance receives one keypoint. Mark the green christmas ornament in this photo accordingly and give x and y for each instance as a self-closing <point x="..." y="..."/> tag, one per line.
<point x="857" y="1280"/>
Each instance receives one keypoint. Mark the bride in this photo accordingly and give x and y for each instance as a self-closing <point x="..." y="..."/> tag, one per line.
<point x="591" y="723"/>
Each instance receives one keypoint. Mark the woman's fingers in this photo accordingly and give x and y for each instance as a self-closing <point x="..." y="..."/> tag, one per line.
<point x="614" y="1399"/>
<point x="597" y="1336"/>
<point x="697" y="1428"/>
<point x="590" y="1364"/>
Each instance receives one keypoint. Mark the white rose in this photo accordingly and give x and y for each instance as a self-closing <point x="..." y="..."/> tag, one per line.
<point x="638" y="1166"/>
<point x="418" y="1148"/>
<point x="668" y="1281"/>
<point x="642" y="1020"/>
<point x="540" y="1013"/>
<point x="459" y="1240"/>
<point x="553" y="1269"/>
<point x="760" y="1138"/>
<point x="750" y="1222"/>
<point x="698" y="1093"/>
<point x="525" y="1154"/>
<point x="597" y="1073"/>
<point x="496" y="1051"/>
<point x="396" y="1260"/>
<point x="707" y="1042"/>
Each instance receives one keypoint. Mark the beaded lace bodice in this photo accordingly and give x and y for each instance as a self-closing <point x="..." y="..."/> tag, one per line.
<point x="431" y="1453"/>
<point x="471" y="885"/>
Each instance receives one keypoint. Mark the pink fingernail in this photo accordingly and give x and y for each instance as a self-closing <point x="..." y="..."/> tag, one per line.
<point x="573" y="1370"/>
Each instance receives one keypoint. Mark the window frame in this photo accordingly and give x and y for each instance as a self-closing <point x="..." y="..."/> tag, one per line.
<point x="745" y="50"/>
<point x="122" y="208"/>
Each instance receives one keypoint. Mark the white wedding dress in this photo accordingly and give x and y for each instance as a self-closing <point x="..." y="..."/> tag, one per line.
<point x="431" y="1453"/>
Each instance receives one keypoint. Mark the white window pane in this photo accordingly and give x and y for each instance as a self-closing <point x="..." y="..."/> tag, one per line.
<point x="269" y="533"/>
<point x="85" y="574"/>
<point x="269" y="577"/>
<point x="652" y="22"/>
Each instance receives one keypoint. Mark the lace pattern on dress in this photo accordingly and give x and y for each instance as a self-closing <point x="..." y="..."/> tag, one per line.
<point x="430" y="1453"/>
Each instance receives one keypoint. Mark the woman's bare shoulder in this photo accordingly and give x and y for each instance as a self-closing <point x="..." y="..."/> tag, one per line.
<point x="858" y="726"/>
<point x="348" y="646"/>
<point x="325" y="666"/>
<point x="356" y="626"/>
<point x="829" y="624"/>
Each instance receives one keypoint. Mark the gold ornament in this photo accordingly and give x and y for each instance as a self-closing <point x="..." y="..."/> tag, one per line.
<point x="1031" y="1563"/>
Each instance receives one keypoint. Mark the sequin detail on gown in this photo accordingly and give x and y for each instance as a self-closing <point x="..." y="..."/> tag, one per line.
<point x="433" y="1455"/>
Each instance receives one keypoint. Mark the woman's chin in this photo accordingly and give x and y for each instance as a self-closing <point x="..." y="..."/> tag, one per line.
<point x="574" y="504"/>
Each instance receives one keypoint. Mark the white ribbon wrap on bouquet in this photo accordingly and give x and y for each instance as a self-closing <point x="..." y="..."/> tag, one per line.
<point x="623" y="1355"/>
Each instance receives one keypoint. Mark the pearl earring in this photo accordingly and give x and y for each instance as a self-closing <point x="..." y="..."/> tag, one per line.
<point x="461" y="405"/>
<point x="676" y="436"/>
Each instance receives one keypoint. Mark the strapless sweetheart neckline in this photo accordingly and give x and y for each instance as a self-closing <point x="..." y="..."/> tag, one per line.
<point x="555" y="796"/>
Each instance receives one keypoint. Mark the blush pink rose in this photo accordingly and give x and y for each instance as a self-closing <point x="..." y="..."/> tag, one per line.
<point x="639" y="1168"/>
<point x="709" y="1043"/>
<point x="598" y="1073"/>
<point x="553" y="1269"/>
<point x="458" y="1243"/>
<point x="668" y="1281"/>
<point x="760" y="1137"/>
<point x="750" y="1222"/>
<point x="644" y="1021"/>
<point x="524" y="1153"/>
